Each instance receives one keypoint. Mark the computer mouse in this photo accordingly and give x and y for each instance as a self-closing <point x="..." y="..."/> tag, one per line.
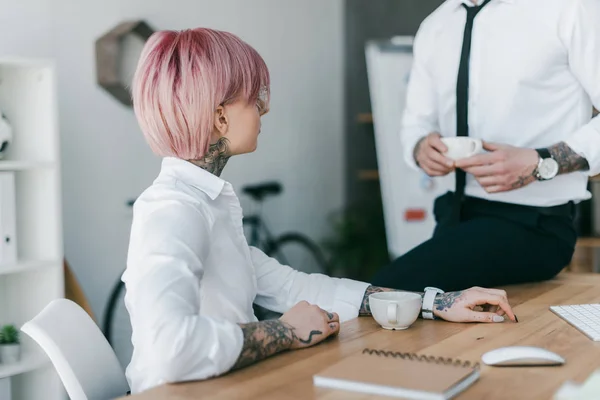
<point x="521" y="356"/>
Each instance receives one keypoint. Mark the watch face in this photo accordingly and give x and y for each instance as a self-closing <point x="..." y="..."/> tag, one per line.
<point x="548" y="168"/>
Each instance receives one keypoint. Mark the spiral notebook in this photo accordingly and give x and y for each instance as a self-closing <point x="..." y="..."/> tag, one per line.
<point x="402" y="375"/>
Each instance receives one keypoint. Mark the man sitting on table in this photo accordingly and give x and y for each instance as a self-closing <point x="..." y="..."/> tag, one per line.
<point x="521" y="75"/>
<point x="191" y="277"/>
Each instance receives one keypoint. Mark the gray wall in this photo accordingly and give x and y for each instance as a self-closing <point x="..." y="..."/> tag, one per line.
<point x="104" y="158"/>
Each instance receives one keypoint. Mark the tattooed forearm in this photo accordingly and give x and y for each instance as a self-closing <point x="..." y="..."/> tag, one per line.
<point x="567" y="159"/>
<point x="445" y="301"/>
<point x="524" y="179"/>
<point x="364" y="308"/>
<point x="216" y="158"/>
<point x="264" y="339"/>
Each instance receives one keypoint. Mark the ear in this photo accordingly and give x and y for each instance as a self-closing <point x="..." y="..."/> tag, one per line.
<point x="221" y="121"/>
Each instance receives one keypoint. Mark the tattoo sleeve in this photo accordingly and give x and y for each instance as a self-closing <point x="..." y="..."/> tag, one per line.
<point x="262" y="340"/>
<point x="364" y="308"/>
<point x="568" y="160"/>
<point x="445" y="301"/>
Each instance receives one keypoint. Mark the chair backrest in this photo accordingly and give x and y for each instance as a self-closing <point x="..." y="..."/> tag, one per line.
<point x="83" y="358"/>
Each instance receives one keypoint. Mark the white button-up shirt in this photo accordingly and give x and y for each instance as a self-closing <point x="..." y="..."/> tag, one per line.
<point x="534" y="76"/>
<point x="191" y="278"/>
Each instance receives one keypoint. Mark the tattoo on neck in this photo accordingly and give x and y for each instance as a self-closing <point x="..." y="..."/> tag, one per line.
<point x="216" y="158"/>
<point x="568" y="160"/>
<point x="264" y="339"/>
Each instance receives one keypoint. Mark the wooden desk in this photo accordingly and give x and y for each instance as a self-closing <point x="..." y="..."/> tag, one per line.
<point x="289" y="375"/>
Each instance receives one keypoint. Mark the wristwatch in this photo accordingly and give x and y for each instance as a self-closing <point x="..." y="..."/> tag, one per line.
<point x="547" y="167"/>
<point x="428" y="300"/>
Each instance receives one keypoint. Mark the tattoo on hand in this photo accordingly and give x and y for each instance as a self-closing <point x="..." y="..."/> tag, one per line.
<point x="445" y="301"/>
<point x="567" y="159"/>
<point x="330" y="315"/>
<point x="524" y="180"/>
<point x="310" y="337"/>
<point x="216" y="158"/>
<point x="264" y="339"/>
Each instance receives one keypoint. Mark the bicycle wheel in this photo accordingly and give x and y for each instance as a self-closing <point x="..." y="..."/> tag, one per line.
<point x="117" y="325"/>
<point x="298" y="252"/>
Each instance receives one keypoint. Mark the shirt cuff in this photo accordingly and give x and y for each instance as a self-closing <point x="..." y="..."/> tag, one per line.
<point x="349" y="295"/>
<point x="409" y="151"/>
<point x="235" y="351"/>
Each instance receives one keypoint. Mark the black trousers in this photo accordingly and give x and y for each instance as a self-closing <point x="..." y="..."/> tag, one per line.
<point x="494" y="244"/>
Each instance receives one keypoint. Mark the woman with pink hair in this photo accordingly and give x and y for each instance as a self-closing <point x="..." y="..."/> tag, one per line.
<point x="191" y="278"/>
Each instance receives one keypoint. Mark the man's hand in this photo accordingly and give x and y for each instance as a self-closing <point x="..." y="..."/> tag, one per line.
<point x="504" y="168"/>
<point x="464" y="306"/>
<point x="429" y="155"/>
<point x="310" y="324"/>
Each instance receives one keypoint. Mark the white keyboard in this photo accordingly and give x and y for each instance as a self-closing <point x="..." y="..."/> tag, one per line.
<point x="584" y="317"/>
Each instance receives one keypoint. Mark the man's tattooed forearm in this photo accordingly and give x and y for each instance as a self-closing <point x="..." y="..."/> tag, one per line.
<point x="567" y="159"/>
<point x="365" y="308"/>
<point x="445" y="301"/>
<point x="264" y="339"/>
<point x="525" y="179"/>
<point x="216" y="158"/>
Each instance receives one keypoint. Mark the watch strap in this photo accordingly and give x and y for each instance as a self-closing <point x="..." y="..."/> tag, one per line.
<point x="544" y="153"/>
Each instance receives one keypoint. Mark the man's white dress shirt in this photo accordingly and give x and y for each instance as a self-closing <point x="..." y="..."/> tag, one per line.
<point x="191" y="278"/>
<point x="534" y="76"/>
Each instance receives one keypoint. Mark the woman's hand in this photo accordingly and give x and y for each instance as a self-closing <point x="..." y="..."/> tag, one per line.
<point x="473" y="305"/>
<point x="310" y="324"/>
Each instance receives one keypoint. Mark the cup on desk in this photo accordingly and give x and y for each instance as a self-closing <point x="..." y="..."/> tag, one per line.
<point x="462" y="147"/>
<point x="395" y="310"/>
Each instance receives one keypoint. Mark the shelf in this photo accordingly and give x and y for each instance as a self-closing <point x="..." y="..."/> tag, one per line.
<point x="364" y="118"/>
<point x="368" y="175"/>
<point x="29" y="362"/>
<point x="6" y="165"/>
<point x="588" y="242"/>
<point x="27" y="265"/>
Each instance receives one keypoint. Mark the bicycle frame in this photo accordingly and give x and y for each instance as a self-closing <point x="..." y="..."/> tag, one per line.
<point x="260" y="236"/>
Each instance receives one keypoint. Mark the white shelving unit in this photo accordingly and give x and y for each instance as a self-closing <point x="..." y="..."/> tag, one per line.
<point x="28" y="100"/>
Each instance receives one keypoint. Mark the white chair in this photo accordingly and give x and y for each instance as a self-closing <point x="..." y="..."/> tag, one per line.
<point x="83" y="358"/>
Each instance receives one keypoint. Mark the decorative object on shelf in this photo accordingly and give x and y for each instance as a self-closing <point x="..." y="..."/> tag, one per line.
<point x="10" y="345"/>
<point x="111" y="55"/>
<point x="6" y="134"/>
<point x="8" y="223"/>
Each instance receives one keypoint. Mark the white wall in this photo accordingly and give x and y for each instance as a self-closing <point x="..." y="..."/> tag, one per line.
<point x="104" y="158"/>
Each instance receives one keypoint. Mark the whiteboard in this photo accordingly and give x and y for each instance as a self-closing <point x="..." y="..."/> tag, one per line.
<point x="404" y="191"/>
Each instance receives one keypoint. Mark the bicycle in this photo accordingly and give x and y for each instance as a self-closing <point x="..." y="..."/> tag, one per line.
<point x="291" y="248"/>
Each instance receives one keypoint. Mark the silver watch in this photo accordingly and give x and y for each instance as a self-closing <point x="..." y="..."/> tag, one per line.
<point x="428" y="300"/>
<point x="547" y="167"/>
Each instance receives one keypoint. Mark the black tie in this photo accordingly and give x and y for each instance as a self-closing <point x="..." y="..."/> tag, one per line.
<point x="462" y="103"/>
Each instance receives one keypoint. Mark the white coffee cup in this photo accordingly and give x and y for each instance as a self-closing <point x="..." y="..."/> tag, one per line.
<point x="462" y="147"/>
<point x="395" y="310"/>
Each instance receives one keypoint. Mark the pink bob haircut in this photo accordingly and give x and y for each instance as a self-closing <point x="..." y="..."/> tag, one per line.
<point x="180" y="80"/>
